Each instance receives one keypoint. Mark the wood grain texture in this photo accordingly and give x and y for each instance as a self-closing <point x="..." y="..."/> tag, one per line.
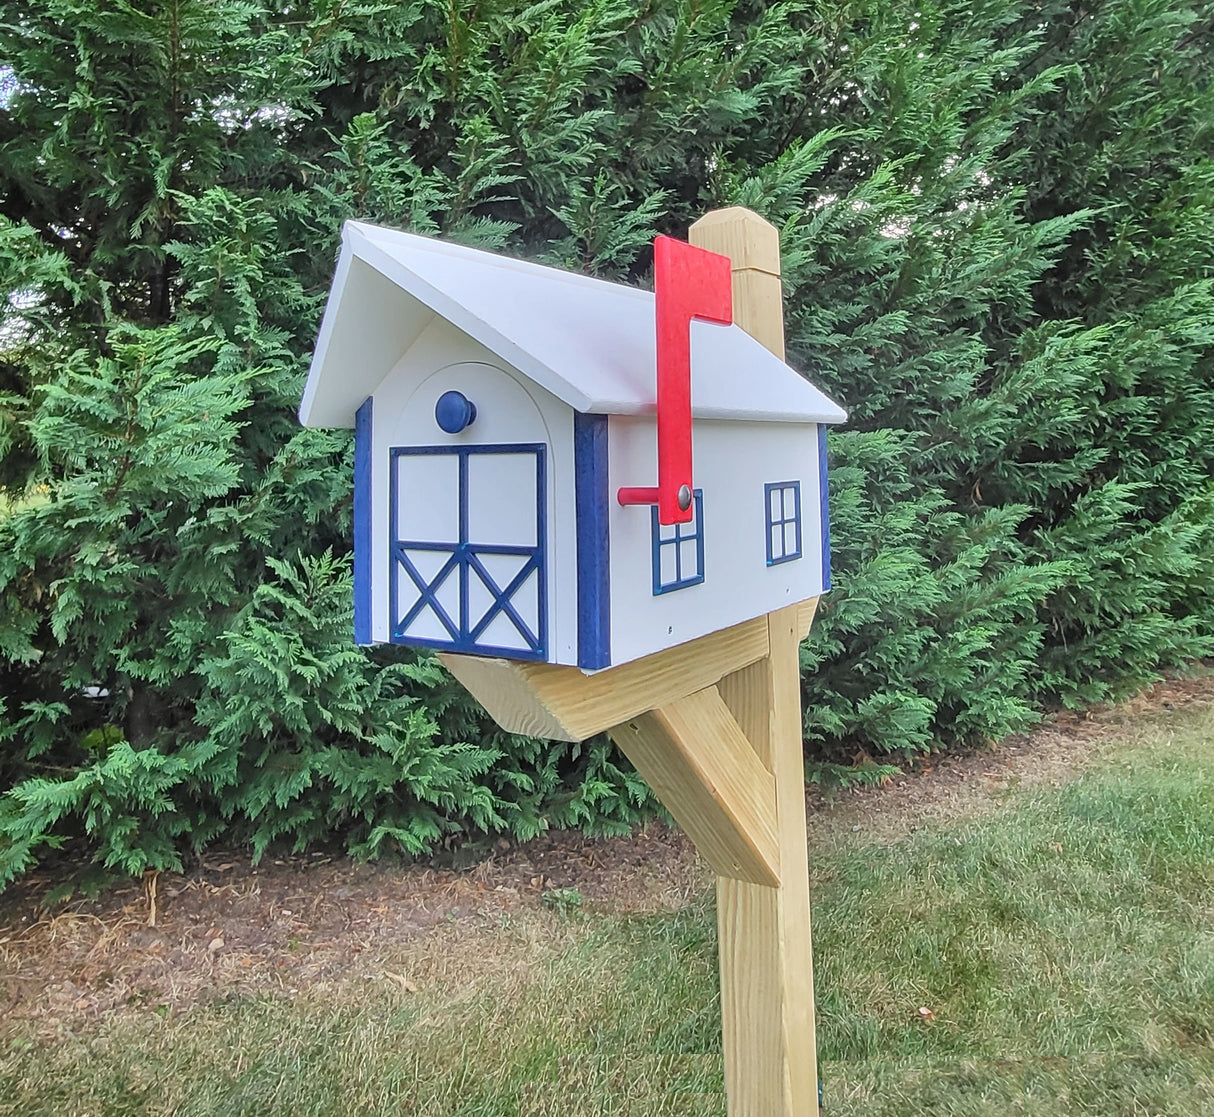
<point x="741" y="234"/>
<point x="696" y="758"/>
<point x="758" y="300"/>
<point x="546" y="700"/>
<point x="807" y="610"/>
<point x="753" y="246"/>
<point x="788" y="767"/>
<point x="750" y="950"/>
<point x="765" y="946"/>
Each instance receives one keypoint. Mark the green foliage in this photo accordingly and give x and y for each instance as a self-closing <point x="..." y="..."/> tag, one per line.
<point x="1022" y="498"/>
<point x="996" y="225"/>
<point x="564" y="900"/>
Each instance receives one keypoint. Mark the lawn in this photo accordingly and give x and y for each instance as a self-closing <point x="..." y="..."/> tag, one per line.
<point x="1051" y="952"/>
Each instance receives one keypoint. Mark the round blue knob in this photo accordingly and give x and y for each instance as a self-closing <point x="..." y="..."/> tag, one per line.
<point x="454" y="411"/>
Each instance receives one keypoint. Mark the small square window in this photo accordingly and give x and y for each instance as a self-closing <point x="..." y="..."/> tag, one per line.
<point x="678" y="550"/>
<point x="783" y="521"/>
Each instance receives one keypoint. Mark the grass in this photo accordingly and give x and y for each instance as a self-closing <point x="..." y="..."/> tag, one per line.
<point x="1063" y="944"/>
<point x="1065" y="947"/>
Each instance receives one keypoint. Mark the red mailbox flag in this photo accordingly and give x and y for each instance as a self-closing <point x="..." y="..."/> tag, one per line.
<point x="688" y="283"/>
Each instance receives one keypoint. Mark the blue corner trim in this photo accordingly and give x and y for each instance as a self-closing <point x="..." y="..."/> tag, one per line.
<point x="362" y="523"/>
<point x="593" y="541"/>
<point x="824" y="505"/>
<point x="788" y="497"/>
<point x="692" y="532"/>
<point x="465" y="630"/>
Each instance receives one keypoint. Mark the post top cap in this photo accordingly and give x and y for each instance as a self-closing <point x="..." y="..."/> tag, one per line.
<point x="749" y="240"/>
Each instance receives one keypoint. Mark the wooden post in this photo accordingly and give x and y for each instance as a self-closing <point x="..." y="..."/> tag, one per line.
<point x="767" y="980"/>
<point x="714" y="727"/>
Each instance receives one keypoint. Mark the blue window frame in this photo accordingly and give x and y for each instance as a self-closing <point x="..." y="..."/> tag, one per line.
<point x="466" y="562"/>
<point x="678" y="550"/>
<point x="783" y="521"/>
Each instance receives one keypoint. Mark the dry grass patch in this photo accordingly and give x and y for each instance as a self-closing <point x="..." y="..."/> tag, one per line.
<point x="468" y="1033"/>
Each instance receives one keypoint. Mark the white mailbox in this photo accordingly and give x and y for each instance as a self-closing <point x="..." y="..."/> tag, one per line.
<point x="499" y="407"/>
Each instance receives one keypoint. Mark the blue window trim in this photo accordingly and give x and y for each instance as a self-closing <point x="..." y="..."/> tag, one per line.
<point x="783" y="487"/>
<point x="463" y="557"/>
<point x="362" y="522"/>
<point x="592" y="501"/>
<point x="676" y="541"/>
<point x="824" y="506"/>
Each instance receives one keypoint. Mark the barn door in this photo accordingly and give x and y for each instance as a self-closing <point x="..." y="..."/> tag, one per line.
<point x="467" y="549"/>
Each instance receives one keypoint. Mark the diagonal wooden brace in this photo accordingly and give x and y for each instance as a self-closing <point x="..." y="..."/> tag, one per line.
<point x="697" y="759"/>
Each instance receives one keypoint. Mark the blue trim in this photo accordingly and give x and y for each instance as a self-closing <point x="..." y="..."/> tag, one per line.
<point x="593" y="541"/>
<point x="694" y="532"/>
<point x="464" y="630"/>
<point x="824" y="505"/>
<point x="429" y="591"/>
<point x="784" y="488"/>
<point x="362" y="523"/>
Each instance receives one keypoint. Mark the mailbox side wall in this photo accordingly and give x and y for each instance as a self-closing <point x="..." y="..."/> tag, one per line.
<point x="734" y="462"/>
<point x="404" y="416"/>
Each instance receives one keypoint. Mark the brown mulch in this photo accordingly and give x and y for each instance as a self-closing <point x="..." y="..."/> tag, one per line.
<point x="231" y="928"/>
<point x="964" y="781"/>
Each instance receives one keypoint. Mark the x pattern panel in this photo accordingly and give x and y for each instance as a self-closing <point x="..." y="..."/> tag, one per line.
<point x="461" y="589"/>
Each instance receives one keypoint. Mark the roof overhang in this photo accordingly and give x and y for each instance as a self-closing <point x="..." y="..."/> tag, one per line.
<point x="588" y="342"/>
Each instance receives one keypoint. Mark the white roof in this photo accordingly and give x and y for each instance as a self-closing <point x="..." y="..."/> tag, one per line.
<point x="588" y="342"/>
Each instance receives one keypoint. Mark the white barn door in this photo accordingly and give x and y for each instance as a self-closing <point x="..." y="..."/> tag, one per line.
<point x="467" y="549"/>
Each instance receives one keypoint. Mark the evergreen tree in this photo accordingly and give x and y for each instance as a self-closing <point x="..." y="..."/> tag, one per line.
<point x="1130" y="136"/>
<point x="996" y="225"/>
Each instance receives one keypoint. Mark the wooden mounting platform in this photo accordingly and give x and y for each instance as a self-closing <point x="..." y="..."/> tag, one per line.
<point x="565" y="704"/>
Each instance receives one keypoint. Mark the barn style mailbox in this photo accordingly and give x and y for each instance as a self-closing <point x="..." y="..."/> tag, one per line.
<point x="499" y="408"/>
<point x="606" y="509"/>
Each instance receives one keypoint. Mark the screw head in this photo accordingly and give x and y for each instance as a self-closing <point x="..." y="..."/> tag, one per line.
<point x="684" y="497"/>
